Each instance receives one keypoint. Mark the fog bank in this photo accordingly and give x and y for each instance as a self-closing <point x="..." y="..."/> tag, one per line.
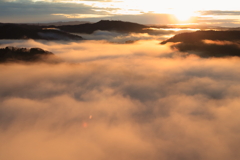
<point x="119" y="101"/>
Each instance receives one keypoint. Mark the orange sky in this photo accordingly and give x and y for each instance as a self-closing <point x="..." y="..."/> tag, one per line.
<point x="220" y="13"/>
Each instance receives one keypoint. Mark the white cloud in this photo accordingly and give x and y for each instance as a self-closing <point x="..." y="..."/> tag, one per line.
<point x="146" y="102"/>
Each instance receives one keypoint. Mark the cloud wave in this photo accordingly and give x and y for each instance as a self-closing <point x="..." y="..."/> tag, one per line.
<point x="114" y="101"/>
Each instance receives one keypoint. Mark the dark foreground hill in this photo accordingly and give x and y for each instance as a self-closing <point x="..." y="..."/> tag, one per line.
<point x="104" y="25"/>
<point x="221" y="44"/>
<point x="23" y="31"/>
<point x="13" y="54"/>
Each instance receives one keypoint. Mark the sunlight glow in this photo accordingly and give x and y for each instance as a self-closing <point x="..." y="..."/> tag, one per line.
<point x="183" y="16"/>
<point x="184" y="11"/>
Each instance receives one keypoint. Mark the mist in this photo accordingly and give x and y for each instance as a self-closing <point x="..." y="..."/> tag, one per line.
<point x="119" y="101"/>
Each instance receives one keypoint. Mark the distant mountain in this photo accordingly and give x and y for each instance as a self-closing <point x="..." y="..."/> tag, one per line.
<point x="23" y="31"/>
<point x="60" y="23"/>
<point x="13" y="54"/>
<point x="27" y="31"/>
<point x="222" y="44"/>
<point x="104" y="25"/>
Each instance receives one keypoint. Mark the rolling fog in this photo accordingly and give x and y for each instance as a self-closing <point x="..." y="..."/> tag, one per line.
<point x="108" y="101"/>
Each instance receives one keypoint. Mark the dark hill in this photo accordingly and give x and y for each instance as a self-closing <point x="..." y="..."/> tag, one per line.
<point x="104" y="25"/>
<point x="12" y="54"/>
<point x="23" y="31"/>
<point x="203" y="35"/>
<point x="192" y="43"/>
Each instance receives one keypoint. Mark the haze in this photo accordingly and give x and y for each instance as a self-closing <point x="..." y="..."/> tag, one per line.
<point x="115" y="90"/>
<point x="121" y="101"/>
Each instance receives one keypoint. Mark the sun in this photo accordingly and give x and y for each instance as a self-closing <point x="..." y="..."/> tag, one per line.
<point x="183" y="15"/>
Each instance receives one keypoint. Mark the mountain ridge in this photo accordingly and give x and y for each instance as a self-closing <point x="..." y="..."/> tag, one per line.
<point x="105" y="25"/>
<point x="23" y="31"/>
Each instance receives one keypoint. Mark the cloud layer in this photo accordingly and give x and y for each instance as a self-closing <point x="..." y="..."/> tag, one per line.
<point x="114" y="101"/>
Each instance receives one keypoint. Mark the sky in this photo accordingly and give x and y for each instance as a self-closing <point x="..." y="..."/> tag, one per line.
<point x="204" y="12"/>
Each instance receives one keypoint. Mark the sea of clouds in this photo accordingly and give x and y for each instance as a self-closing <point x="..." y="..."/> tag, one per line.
<point x="107" y="101"/>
